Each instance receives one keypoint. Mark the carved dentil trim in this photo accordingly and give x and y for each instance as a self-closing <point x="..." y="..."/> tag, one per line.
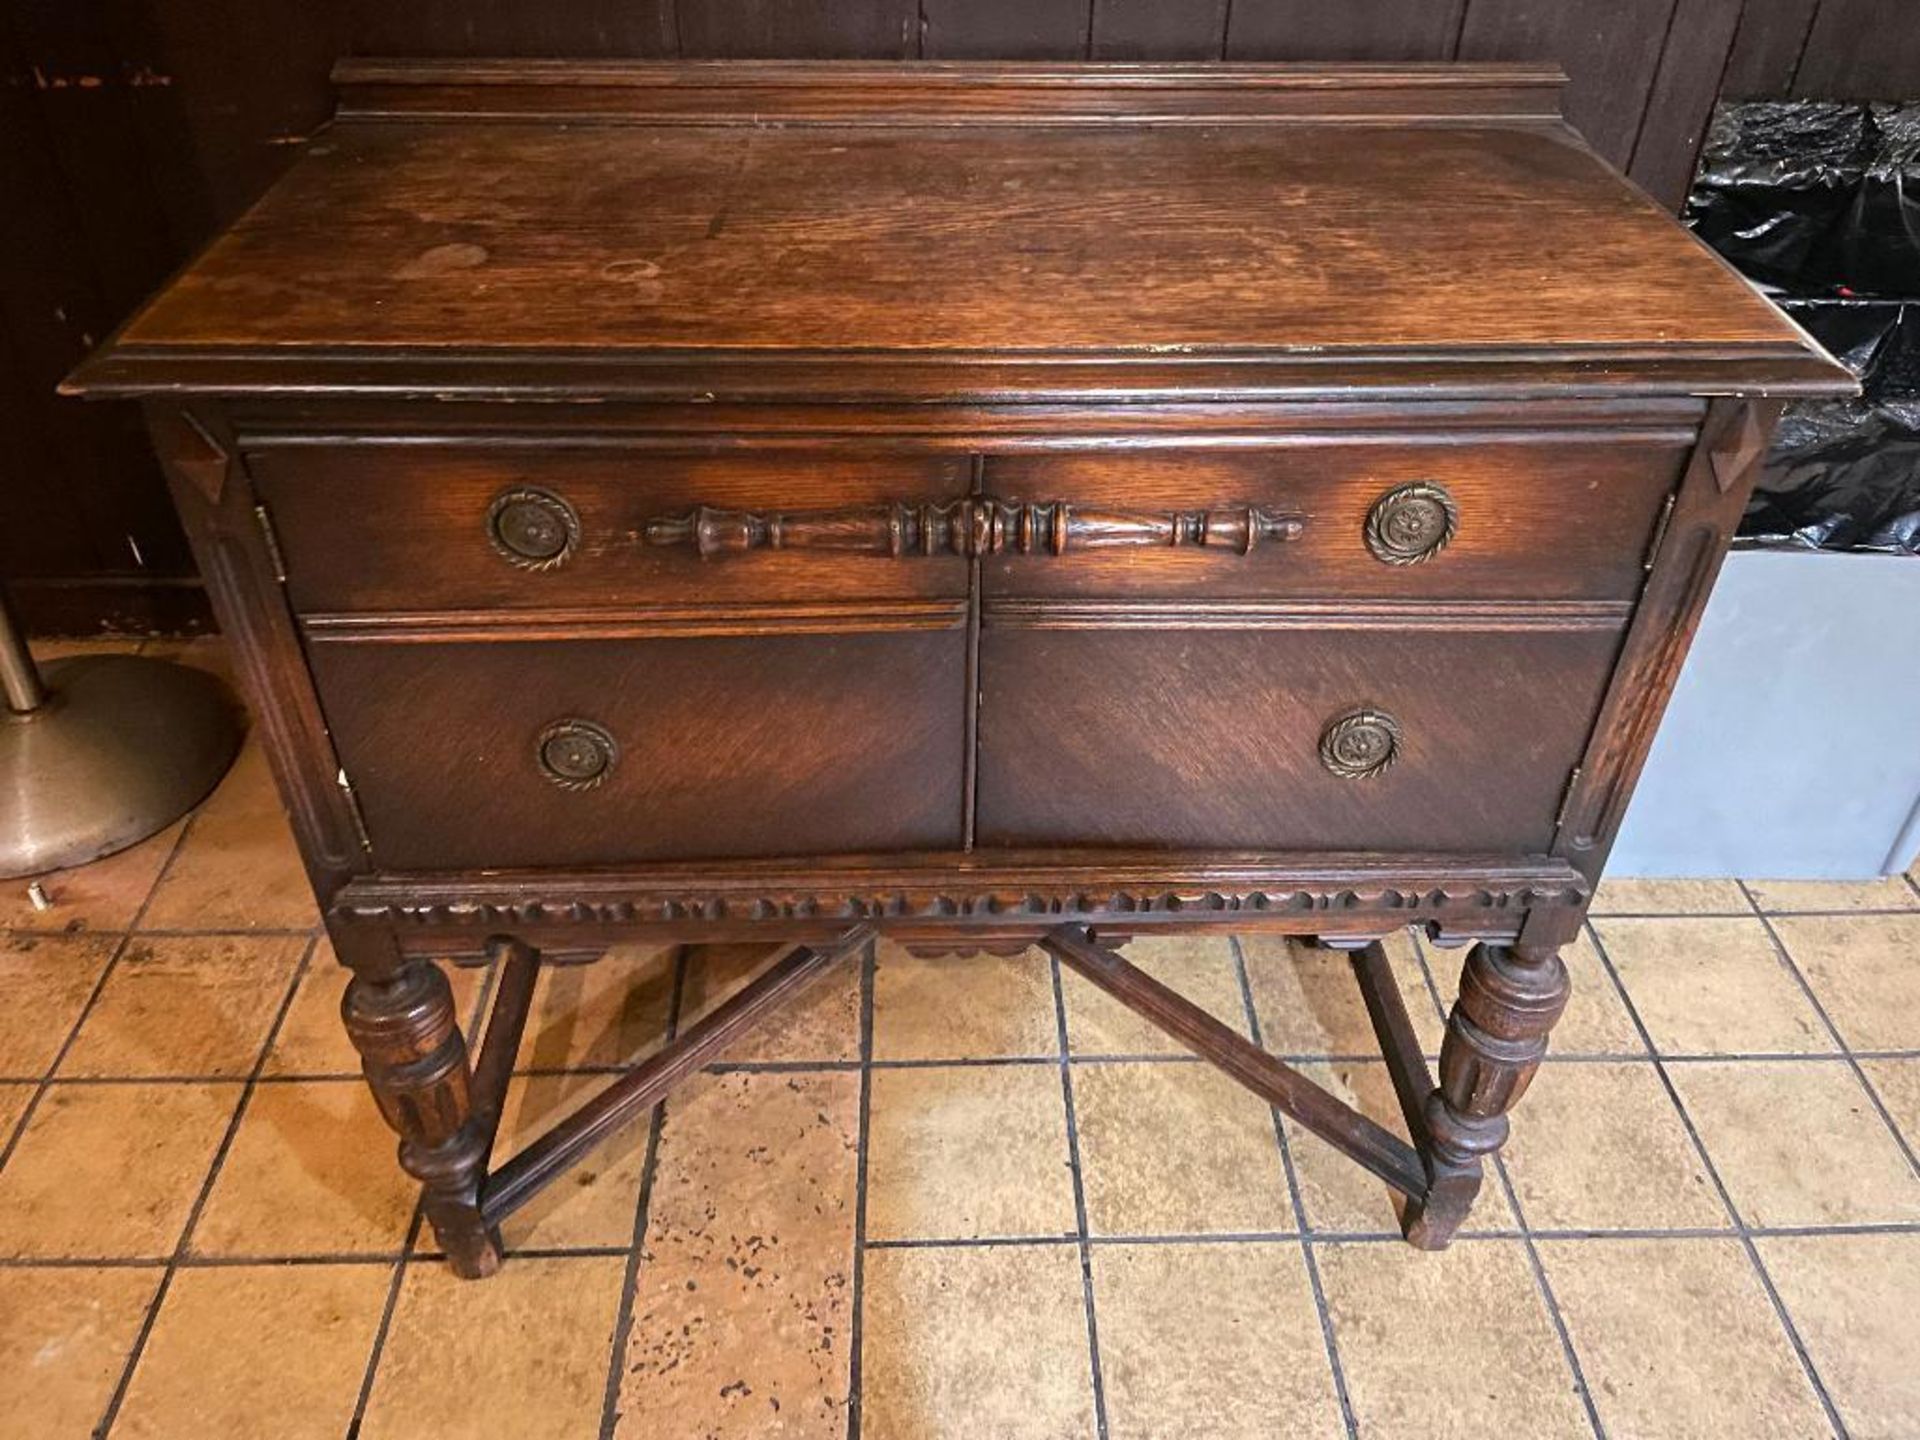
<point x="954" y="904"/>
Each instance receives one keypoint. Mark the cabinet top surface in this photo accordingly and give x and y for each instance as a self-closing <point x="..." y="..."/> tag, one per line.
<point x="988" y="229"/>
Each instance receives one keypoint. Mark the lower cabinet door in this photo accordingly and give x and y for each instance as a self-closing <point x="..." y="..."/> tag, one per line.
<point x="1345" y="739"/>
<point x="598" y="752"/>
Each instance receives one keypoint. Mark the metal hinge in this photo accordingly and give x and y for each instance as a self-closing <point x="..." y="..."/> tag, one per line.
<point x="353" y="808"/>
<point x="1660" y="530"/>
<point x="273" y="543"/>
<point x="1566" y="799"/>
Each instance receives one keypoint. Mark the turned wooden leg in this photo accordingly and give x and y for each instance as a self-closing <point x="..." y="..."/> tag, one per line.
<point x="400" y="1015"/>
<point x="1496" y="1036"/>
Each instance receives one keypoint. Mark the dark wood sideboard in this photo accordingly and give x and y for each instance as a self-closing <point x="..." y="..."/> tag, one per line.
<point x="985" y="504"/>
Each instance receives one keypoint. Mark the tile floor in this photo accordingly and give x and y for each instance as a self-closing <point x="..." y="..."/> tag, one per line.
<point x="954" y="1198"/>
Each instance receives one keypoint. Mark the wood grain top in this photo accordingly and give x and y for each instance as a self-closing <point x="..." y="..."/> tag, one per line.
<point x="618" y="240"/>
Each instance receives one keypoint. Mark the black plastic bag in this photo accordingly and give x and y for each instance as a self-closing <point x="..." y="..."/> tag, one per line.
<point x="1875" y="248"/>
<point x="1821" y="202"/>
<point x="1775" y="180"/>
<point x="1842" y="475"/>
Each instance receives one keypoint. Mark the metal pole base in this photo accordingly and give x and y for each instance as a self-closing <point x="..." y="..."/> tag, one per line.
<point x="122" y="748"/>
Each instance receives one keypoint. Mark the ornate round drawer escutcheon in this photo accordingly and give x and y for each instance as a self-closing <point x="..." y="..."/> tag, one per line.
<point x="1360" y="744"/>
<point x="575" y="754"/>
<point x="534" y="529"/>
<point x="1411" y="523"/>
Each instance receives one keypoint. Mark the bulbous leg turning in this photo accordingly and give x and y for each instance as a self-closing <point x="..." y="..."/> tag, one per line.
<point x="402" y="1022"/>
<point x="1510" y="997"/>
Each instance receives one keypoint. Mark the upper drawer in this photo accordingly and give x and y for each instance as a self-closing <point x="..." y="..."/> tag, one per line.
<point x="1516" y="520"/>
<point x="374" y="528"/>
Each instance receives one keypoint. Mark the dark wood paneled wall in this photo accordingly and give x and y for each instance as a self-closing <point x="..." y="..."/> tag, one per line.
<point x="131" y="129"/>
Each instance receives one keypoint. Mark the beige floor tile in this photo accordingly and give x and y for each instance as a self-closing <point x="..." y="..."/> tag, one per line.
<point x="1450" y="1344"/>
<point x="1712" y="987"/>
<point x="1890" y="892"/>
<point x="44" y="984"/>
<point x="1599" y="1146"/>
<point x="610" y="1012"/>
<point x="1199" y="967"/>
<point x="742" y="1312"/>
<point x="111" y="1170"/>
<point x="1341" y="1198"/>
<point x="1798" y="1142"/>
<point x="972" y="1342"/>
<point x="237" y="868"/>
<point x="15" y="1096"/>
<point x="822" y="1023"/>
<point x="311" y="1171"/>
<point x="1866" y="971"/>
<point x="1898" y="1084"/>
<point x="1677" y="1337"/>
<point x="1213" y="1340"/>
<point x="312" y="1041"/>
<point x="1852" y="1300"/>
<point x="1176" y="1148"/>
<point x="1309" y="1003"/>
<point x="242" y="1351"/>
<point x="1629" y="896"/>
<point x="593" y="1204"/>
<point x="105" y="895"/>
<point x="524" y="1354"/>
<point x="966" y="1151"/>
<point x="1595" y="1022"/>
<point x="962" y="1007"/>
<point x="64" y="1338"/>
<point x="186" y="1005"/>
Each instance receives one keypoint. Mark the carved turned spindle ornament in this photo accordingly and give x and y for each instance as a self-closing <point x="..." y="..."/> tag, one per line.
<point x="970" y="528"/>
<point x="416" y="1063"/>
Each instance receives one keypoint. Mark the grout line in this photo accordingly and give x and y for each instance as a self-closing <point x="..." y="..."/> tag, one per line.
<point x="629" y="1283"/>
<point x="207" y="1182"/>
<point x="1541" y="1283"/>
<point x="93" y="998"/>
<point x="1079" y="1199"/>
<point x="1786" y="959"/>
<point x="379" y="1345"/>
<point x="1832" y="914"/>
<point x="856" y="1329"/>
<point x="828" y="1067"/>
<point x="1551" y="1301"/>
<point x="1743" y="1231"/>
<point x="1317" y="1238"/>
<point x="1328" y="1340"/>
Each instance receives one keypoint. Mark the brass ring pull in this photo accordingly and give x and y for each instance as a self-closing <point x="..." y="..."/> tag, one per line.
<point x="1360" y="744"/>
<point x="532" y="528"/>
<point x="1412" y="523"/>
<point x="575" y="754"/>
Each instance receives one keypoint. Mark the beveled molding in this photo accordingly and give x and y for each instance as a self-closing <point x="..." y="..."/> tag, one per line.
<point x="736" y="92"/>
<point x="1308" y="613"/>
<point x="1191" y="375"/>
<point x="984" y="893"/>
<point x="295" y="422"/>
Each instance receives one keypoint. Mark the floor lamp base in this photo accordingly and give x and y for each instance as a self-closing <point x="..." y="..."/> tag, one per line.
<point x="122" y="748"/>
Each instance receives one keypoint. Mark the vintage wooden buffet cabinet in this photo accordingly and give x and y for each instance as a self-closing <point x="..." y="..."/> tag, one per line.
<point x="982" y="504"/>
